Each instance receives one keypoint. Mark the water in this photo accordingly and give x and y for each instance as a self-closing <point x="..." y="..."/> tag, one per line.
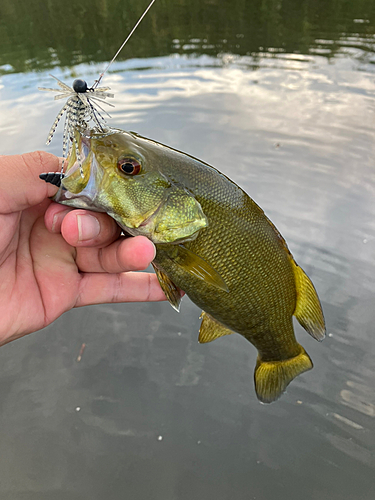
<point x="280" y="97"/>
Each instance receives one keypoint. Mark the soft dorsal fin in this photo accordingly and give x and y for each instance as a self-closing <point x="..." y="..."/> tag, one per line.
<point x="308" y="309"/>
<point x="211" y="329"/>
<point x="172" y="292"/>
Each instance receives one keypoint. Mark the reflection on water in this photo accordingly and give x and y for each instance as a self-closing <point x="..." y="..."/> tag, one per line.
<point x="281" y="99"/>
<point x="54" y="34"/>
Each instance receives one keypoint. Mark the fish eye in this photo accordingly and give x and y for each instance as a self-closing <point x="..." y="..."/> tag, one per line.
<point x="129" y="166"/>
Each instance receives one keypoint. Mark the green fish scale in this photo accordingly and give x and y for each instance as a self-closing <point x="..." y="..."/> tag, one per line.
<point x="247" y="252"/>
<point x="212" y="241"/>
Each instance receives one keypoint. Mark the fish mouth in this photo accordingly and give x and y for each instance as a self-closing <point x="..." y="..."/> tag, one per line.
<point x="79" y="184"/>
<point x="55" y="178"/>
<point x="85" y="197"/>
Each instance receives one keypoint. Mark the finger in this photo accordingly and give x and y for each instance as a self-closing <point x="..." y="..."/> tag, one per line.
<point x="125" y="254"/>
<point x="21" y="187"/>
<point x="81" y="227"/>
<point x="99" y="288"/>
<point x="54" y="216"/>
<point x="86" y="228"/>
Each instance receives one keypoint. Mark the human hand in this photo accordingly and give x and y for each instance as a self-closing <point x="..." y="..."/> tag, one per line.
<point x="53" y="258"/>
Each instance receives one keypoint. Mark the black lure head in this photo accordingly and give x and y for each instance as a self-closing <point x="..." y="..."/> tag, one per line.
<point x="80" y="86"/>
<point x="54" y="178"/>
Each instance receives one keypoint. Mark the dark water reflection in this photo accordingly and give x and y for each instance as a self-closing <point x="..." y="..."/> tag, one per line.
<point x="287" y="111"/>
<point x="40" y="34"/>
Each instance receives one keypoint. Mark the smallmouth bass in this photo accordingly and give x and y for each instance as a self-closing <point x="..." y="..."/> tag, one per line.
<point x="213" y="242"/>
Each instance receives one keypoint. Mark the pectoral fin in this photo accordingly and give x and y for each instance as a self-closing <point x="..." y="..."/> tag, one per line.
<point x="308" y="309"/>
<point x="199" y="268"/>
<point x="211" y="329"/>
<point x="172" y="292"/>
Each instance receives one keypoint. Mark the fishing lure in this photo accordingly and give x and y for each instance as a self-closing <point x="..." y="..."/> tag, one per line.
<point x="83" y="106"/>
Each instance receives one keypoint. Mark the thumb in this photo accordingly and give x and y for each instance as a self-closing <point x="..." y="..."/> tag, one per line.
<point x="20" y="186"/>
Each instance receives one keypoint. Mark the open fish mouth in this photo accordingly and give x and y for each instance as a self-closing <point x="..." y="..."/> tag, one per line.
<point x="85" y="196"/>
<point x="56" y="178"/>
<point x="78" y="186"/>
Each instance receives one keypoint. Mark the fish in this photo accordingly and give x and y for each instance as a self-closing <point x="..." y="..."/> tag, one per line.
<point x="212" y="240"/>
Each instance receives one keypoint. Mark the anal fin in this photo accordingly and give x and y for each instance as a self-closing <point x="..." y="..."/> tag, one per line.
<point x="172" y="292"/>
<point x="211" y="329"/>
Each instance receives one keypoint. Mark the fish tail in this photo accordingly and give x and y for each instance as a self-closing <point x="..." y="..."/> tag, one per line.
<point x="272" y="377"/>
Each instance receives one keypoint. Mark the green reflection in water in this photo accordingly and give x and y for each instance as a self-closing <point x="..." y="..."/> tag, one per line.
<point x="40" y="34"/>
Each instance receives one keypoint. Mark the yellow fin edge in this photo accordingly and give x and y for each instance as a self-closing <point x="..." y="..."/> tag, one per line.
<point x="211" y="329"/>
<point x="308" y="308"/>
<point x="272" y="377"/>
<point x="172" y="292"/>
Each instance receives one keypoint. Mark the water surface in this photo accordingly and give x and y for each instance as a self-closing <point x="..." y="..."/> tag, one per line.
<point x="280" y="97"/>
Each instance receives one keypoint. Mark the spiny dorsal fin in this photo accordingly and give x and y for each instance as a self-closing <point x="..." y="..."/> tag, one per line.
<point x="172" y="292"/>
<point x="272" y="377"/>
<point x="211" y="329"/>
<point x="308" y="309"/>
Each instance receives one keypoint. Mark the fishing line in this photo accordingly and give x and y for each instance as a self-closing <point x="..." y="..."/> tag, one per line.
<point x="124" y="43"/>
<point x="83" y="105"/>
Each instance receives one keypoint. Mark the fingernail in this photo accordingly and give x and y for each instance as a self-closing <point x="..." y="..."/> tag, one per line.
<point x="88" y="227"/>
<point x="54" y="222"/>
<point x="57" y="220"/>
<point x="154" y="252"/>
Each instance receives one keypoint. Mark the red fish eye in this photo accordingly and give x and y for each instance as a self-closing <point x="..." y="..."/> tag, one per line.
<point x="129" y="166"/>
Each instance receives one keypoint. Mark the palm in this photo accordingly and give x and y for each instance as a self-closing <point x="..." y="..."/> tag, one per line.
<point x="39" y="277"/>
<point x="41" y="274"/>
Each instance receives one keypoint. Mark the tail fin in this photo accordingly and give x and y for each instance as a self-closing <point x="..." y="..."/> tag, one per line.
<point x="272" y="377"/>
<point x="308" y="309"/>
